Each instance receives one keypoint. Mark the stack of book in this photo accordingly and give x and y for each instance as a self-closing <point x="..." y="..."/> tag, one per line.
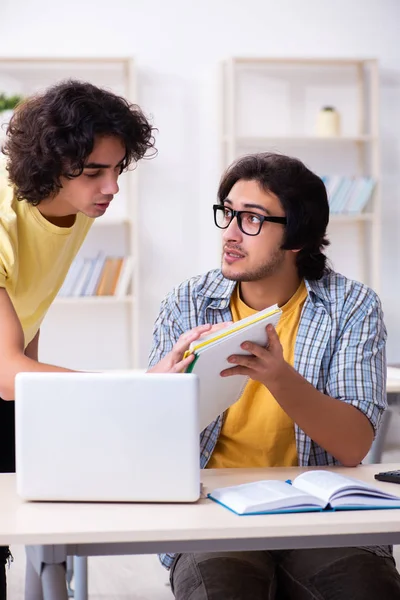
<point x="99" y="276"/>
<point x="211" y="354"/>
<point x="348" y="195"/>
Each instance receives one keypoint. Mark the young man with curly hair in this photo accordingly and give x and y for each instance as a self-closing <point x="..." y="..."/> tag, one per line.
<point x="65" y="150"/>
<point x="315" y="396"/>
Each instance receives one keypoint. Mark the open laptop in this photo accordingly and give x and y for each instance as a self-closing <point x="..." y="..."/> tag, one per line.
<point x="121" y="437"/>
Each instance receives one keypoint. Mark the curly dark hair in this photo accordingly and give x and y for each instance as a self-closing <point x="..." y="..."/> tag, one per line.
<point x="303" y="197"/>
<point x="51" y="134"/>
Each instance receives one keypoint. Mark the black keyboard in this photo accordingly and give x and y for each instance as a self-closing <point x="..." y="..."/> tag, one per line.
<point x="391" y="476"/>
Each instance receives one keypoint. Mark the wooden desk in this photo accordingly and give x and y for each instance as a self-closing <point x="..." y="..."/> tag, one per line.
<point x="55" y="530"/>
<point x="393" y="380"/>
<point x="393" y="392"/>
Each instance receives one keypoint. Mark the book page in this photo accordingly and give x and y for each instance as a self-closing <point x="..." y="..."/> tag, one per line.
<point x="364" y="499"/>
<point x="329" y="485"/>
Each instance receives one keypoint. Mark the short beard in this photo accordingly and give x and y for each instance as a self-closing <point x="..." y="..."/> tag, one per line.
<point x="263" y="271"/>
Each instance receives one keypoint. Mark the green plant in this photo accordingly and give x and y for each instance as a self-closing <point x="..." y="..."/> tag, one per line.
<point x="9" y="102"/>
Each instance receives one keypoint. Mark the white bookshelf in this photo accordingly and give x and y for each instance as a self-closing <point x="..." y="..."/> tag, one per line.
<point x="92" y="332"/>
<point x="271" y="105"/>
<point x="68" y="300"/>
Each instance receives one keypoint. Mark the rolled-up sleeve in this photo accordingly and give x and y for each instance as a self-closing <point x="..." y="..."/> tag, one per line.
<point x="357" y="372"/>
<point x="167" y="329"/>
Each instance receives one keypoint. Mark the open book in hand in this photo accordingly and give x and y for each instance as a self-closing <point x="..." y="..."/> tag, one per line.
<point x="211" y="353"/>
<point x="310" y="491"/>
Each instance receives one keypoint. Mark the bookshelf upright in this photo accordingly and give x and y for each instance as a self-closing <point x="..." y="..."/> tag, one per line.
<point x="271" y="104"/>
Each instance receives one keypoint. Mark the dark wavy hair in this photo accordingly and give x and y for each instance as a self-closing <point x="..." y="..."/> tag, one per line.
<point x="303" y="197"/>
<point x="51" y="134"/>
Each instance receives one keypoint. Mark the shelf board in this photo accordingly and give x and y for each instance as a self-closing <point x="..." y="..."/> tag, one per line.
<point x="326" y="62"/>
<point x="345" y="218"/>
<point x="303" y="139"/>
<point x="64" y="59"/>
<point x="100" y="300"/>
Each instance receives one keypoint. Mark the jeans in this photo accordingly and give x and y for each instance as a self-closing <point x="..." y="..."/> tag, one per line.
<point x="5" y="557"/>
<point x="7" y="465"/>
<point x="316" y="574"/>
<point x="3" y="584"/>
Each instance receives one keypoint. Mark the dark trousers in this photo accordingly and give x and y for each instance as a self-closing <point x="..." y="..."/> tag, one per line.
<point x="322" y="574"/>
<point x="5" y="556"/>
<point x="3" y="583"/>
<point x="7" y="465"/>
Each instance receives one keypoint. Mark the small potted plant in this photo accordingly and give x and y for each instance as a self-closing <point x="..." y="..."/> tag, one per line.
<point x="7" y="106"/>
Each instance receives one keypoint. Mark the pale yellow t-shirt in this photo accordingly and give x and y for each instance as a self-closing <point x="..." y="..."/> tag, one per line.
<point x="256" y="431"/>
<point x="35" y="256"/>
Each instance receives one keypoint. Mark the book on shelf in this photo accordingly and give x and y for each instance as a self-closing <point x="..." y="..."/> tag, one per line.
<point x="109" y="277"/>
<point x="348" y="195"/>
<point x="98" y="276"/>
<point x="82" y="278"/>
<point x="211" y="353"/>
<point x="315" y="490"/>
<point x="94" y="276"/>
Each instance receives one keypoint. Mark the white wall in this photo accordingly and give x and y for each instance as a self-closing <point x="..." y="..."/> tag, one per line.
<point x="178" y="46"/>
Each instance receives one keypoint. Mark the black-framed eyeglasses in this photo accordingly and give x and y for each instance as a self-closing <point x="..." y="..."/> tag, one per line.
<point x="249" y="223"/>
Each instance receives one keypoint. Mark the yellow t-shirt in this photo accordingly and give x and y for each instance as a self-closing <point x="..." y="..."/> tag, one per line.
<point x="35" y="256"/>
<point x="256" y="431"/>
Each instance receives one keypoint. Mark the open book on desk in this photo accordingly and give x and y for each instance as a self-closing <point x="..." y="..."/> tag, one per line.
<point x="211" y="353"/>
<point x="311" y="491"/>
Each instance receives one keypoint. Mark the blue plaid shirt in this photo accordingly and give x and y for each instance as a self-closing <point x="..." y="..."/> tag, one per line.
<point x="340" y="349"/>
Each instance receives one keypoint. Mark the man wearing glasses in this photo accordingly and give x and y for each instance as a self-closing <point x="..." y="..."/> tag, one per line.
<point x="315" y="395"/>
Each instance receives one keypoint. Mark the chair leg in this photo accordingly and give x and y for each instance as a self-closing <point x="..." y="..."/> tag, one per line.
<point x="81" y="577"/>
<point x="45" y="579"/>
<point x="69" y="575"/>
<point x="53" y="582"/>
<point x="33" y="583"/>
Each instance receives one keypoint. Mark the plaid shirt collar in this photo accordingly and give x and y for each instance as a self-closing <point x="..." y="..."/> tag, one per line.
<point x="222" y="290"/>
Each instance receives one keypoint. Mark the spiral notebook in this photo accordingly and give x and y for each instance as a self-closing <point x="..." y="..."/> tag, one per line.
<point x="218" y="393"/>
